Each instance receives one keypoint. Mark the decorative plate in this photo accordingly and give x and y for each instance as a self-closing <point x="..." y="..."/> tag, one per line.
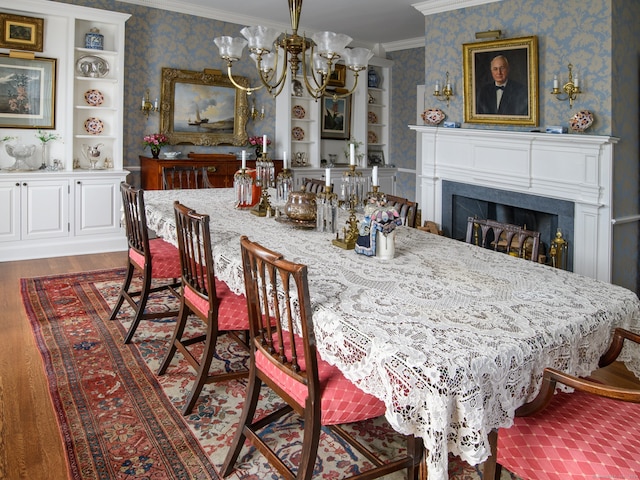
<point x="373" y="118"/>
<point x="433" y="116"/>
<point x="92" y="66"/>
<point x="581" y="121"/>
<point x="297" y="133"/>
<point x="93" y="125"/>
<point x="372" y="137"/>
<point x="94" y="97"/>
<point x="298" y="111"/>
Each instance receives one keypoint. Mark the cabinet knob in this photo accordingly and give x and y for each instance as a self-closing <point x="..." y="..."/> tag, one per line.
<point x="212" y="169"/>
<point x="17" y="184"/>
<point x="24" y="184"/>
<point x="79" y="182"/>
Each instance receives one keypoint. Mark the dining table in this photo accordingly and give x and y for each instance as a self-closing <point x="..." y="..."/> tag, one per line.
<point x="451" y="336"/>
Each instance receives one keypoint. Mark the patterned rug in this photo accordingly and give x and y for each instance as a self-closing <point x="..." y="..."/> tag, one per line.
<point x="119" y="420"/>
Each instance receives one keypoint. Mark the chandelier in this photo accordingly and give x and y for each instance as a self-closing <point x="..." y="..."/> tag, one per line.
<point x="317" y="56"/>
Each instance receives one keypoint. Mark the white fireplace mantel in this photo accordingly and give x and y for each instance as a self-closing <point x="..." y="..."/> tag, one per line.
<point x="572" y="167"/>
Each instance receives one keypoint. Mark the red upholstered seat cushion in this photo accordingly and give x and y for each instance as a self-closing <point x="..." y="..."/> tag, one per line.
<point x="341" y="400"/>
<point x="232" y="308"/>
<point x="165" y="259"/>
<point x="578" y="436"/>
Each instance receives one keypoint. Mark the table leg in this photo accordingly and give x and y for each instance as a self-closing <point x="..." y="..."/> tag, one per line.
<point x="489" y="465"/>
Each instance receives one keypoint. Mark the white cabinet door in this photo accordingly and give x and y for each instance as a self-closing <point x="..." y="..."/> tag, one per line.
<point x="97" y="206"/>
<point x="10" y="211"/>
<point x="45" y="209"/>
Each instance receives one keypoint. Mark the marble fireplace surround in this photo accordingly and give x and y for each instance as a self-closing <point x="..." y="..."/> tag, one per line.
<point x="572" y="167"/>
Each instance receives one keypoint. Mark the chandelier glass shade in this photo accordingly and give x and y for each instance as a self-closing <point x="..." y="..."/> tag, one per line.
<point x="313" y="59"/>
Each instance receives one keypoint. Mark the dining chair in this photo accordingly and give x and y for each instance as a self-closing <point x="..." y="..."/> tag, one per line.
<point x="406" y="208"/>
<point x="314" y="185"/>
<point x="505" y="237"/>
<point x="284" y="357"/>
<point x="152" y="259"/>
<point x="210" y="299"/>
<point x="593" y="432"/>
<point x="179" y="177"/>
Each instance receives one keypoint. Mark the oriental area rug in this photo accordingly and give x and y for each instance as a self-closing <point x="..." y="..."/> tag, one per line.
<point x="119" y="420"/>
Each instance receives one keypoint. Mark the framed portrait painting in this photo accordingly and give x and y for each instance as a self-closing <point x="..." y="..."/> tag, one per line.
<point x="21" y="33"/>
<point x="338" y="77"/>
<point x="501" y="81"/>
<point x="27" y="92"/>
<point x="336" y="117"/>
<point x="203" y="108"/>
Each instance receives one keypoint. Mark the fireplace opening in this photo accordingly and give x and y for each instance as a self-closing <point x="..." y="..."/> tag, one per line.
<point x="546" y="215"/>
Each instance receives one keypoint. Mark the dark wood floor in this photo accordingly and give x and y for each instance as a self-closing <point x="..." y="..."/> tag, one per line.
<point x="30" y="446"/>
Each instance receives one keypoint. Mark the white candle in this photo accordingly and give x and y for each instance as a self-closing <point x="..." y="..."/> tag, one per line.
<point x="327" y="177"/>
<point x="264" y="144"/>
<point x="352" y="154"/>
<point x="155" y="104"/>
<point x="244" y="159"/>
<point x="284" y="160"/>
<point x="374" y="176"/>
<point x="575" y="81"/>
<point x="437" y="89"/>
<point x="143" y="102"/>
<point x="555" y="81"/>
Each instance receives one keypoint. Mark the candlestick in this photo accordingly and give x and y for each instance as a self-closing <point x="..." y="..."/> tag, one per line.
<point x="327" y="176"/>
<point x="244" y="159"/>
<point x="555" y="81"/>
<point x="374" y="176"/>
<point x="352" y="154"/>
<point x="264" y="144"/>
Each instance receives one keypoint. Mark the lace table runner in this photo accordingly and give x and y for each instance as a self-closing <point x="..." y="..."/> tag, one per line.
<point x="452" y="337"/>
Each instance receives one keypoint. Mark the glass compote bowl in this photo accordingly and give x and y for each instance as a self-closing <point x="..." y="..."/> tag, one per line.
<point x="20" y="152"/>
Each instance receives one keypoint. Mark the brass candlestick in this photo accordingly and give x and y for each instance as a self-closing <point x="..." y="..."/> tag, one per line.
<point x="348" y="242"/>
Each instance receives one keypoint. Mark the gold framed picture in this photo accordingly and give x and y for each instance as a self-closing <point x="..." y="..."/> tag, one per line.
<point x="21" y="33"/>
<point x="336" y="117"/>
<point x="501" y="81"/>
<point x="203" y="108"/>
<point x="338" y="77"/>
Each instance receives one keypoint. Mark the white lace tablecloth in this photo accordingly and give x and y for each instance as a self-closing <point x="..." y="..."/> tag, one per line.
<point x="452" y="337"/>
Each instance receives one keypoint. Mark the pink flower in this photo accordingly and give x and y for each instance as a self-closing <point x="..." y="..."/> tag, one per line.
<point x="258" y="141"/>
<point x="155" y="140"/>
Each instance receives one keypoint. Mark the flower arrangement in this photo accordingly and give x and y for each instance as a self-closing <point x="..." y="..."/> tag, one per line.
<point x="45" y="137"/>
<point x="347" y="150"/>
<point x="155" y="140"/>
<point x="257" y="141"/>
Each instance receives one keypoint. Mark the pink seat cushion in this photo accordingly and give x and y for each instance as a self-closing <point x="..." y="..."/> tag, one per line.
<point x="165" y="259"/>
<point x="341" y="401"/>
<point x="232" y="308"/>
<point x="578" y="436"/>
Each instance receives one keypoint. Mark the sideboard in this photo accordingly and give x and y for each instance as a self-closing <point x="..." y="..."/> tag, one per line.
<point x="220" y="167"/>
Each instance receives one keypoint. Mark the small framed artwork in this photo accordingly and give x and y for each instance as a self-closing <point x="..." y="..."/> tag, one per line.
<point x="27" y="92"/>
<point x="501" y="81"/>
<point x="203" y="108"/>
<point x="336" y="117"/>
<point x="21" y="33"/>
<point x="339" y="76"/>
<point x="375" y="157"/>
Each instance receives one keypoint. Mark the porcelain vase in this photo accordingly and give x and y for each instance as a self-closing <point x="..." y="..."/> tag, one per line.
<point x="386" y="245"/>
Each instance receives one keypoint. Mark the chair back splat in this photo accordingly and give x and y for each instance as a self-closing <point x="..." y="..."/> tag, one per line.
<point x="284" y="357"/>
<point x="407" y="209"/>
<point x="180" y="177"/>
<point x="150" y="259"/>
<point x="210" y="299"/>
<point x="314" y="185"/>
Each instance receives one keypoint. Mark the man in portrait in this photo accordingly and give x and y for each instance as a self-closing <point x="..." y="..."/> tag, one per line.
<point x="502" y="96"/>
<point x="333" y="117"/>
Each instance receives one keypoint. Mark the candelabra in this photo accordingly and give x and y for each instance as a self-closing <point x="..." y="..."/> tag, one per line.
<point x="353" y="185"/>
<point x="569" y="91"/>
<point x="147" y="107"/>
<point x="284" y="185"/>
<point x="446" y="92"/>
<point x="243" y="186"/>
<point x="326" y="210"/>
<point x="265" y="171"/>
<point x="255" y="113"/>
<point x="350" y="232"/>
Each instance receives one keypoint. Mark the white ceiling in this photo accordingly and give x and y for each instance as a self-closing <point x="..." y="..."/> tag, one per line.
<point x="392" y="24"/>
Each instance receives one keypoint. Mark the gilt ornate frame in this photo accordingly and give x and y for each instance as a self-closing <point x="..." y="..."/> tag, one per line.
<point x="203" y="108"/>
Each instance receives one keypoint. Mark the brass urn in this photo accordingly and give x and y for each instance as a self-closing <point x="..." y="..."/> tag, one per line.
<point x="301" y="206"/>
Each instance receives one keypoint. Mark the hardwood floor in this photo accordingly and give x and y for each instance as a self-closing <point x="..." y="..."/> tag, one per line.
<point x="30" y="446"/>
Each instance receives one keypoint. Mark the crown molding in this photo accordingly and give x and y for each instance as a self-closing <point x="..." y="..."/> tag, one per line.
<point x="407" y="44"/>
<point x="430" y="7"/>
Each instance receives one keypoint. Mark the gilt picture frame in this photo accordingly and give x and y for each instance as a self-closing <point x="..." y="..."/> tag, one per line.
<point x="517" y="102"/>
<point x="203" y="108"/>
<point x="21" y="33"/>
<point x="338" y="77"/>
<point x="28" y="92"/>
<point x="335" y="117"/>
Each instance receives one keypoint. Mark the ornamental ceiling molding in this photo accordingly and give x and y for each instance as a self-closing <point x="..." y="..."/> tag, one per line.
<point x="431" y="7"/>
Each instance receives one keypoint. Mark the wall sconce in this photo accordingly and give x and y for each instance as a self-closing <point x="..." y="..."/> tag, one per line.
<point x="569" y="91"/>
<point x="255" y="114"/>
<point x="148" y="107"/>
<point x="446" y="92"/>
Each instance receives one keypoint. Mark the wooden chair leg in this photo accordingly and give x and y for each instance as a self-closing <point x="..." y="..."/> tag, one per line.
<point x="203" y="370"/>
<point x="181" y="323"/>
<point x="141" y="305"/>
<point x="310" y="442"/>
<point x="123" y="290"/>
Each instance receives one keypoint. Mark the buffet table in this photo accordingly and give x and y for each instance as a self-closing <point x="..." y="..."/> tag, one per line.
<point x="452" y="337"/>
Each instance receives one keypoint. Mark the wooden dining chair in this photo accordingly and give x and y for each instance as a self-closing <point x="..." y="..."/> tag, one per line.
<point x="505" y="237"/>
<point x="210" y="299"/>
<point x="179" y="177"/>
<point x="153" y="259"/>
<point x="407" y="209"/>
<point x="284" y="357"/>
<point x="314" y="185"/>
<point x="593" y="432"/>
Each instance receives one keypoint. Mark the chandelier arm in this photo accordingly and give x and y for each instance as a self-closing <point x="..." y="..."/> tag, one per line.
<point x="279" y="85"/>
<point x="350" y="92"/>
<point x="249" y="90"/>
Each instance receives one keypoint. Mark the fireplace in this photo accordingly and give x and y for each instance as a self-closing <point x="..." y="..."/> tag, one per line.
<point x="461" y="201"/>
<point x="565" y="179"/>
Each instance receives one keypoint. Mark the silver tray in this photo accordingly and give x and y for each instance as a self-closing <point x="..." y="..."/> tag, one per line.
<point x="92" y="66"/>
